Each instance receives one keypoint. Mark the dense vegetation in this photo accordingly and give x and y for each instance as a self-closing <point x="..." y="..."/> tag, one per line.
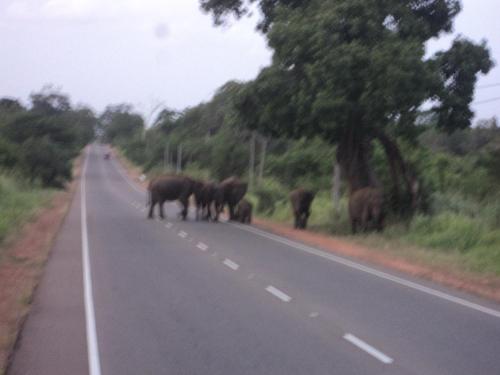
<point x="37" y="146"/>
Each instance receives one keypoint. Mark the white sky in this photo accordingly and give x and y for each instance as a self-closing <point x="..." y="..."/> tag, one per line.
<point x="147" y="52"/>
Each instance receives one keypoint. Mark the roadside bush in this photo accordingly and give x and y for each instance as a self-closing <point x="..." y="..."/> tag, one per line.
<point x="269" y="193"/>
<point x="45" y="162"/>
<point x="17" y="202"/>
<point x="448" y="231"/>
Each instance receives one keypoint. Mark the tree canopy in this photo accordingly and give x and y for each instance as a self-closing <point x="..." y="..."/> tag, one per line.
<point x="352" y="71"/>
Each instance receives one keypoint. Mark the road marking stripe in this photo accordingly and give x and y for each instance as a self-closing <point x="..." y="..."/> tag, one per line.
<point x="182" y="234"/>
<point x="202" y="246"/>
<point x="228" y="262"/>
<point x="168" y="225"/>
<point x="372" y="271"/>
<point x="313" y="315"/>
<point x="368" y="348"/>
<point x="278" y="294"/>
<point x="118" y="168"/>
<point x="92" y="346"/>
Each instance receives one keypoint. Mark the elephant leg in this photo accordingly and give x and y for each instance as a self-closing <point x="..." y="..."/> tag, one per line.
<point x="162" y="216"/>
<point x="304" y="221"/>
<point x="208" y="215"/>
<point x="218" y="209"/>
<point x="185" y="205"/>
<point x="364" y="220"/>
<point x="354" y="226"/>
<point x="296" y="224"/>
<point x="231" y="212"/>
<point x="151" y="208"/>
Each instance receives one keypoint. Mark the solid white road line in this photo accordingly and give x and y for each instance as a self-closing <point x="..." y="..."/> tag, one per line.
<point x="182" y="234"/>
<point x="372" y="271"/>
<point x="92" y="346"/>
<point x="122" y="173"/>
<point x="229" y="263"/>
<point x="368" y="348"/>
<point x="202" y="246"/>
<point x="278" y="294"/>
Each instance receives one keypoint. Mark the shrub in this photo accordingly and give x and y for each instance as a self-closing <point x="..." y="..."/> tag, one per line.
<point x="269" y="193"/>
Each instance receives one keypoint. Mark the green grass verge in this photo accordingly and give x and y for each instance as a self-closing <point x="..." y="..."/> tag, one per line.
<point x="18" y="202"/>
<point x="463" y="241"/>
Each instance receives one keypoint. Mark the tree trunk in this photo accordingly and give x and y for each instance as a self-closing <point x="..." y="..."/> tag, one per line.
<point x="336" y="179"/>
<point x="251" y="167"/>
<point x="396" y="163"/>
<point x="179" y="159"/>
<point x="262" y="159"/>
<point x="354" y="156"/>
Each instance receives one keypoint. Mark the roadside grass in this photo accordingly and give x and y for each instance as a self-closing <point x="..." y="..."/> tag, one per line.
<point x="463" y="236"/>
<point x="18" y="202"/>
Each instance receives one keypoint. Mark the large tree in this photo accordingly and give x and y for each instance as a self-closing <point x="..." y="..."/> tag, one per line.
<point x="355" y="71"/>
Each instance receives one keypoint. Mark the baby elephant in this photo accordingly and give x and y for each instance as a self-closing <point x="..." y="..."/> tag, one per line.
<point x="301" y="200"/>
<point x="243" y="212"/>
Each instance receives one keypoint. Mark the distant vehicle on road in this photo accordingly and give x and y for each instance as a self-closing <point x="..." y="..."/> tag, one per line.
<point x="107" y="156"/>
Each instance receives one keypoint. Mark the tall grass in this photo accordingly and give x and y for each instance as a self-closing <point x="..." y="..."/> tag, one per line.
<point x="467" y="232"/>
<point x="18" y="202"/>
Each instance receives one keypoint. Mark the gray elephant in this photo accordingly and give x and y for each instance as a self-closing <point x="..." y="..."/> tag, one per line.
<point x="366" y="209"/>
<point x="170" y="188"/>
<point x="301" y="200"/>
<point x="230" y="192"/>
<point x="204" y="195"/>
<point x="243" y="212"/>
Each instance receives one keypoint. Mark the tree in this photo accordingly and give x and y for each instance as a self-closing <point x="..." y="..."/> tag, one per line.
<point x="354" y="72"/>
<point x="120" y="122"/>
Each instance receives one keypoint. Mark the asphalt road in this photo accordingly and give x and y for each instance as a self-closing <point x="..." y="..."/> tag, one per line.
<point x="126" y="295"/>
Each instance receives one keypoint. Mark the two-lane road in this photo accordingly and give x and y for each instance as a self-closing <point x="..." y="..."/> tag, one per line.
<point x="173" y="297"/>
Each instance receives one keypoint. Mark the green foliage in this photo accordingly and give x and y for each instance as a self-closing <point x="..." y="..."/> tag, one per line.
<point x="119" y="122"/>
<point x="18" y="201"/>
<point x="269" y="194"/>
<point x="41" y="141"/>
<point x="358" y="65"/>
<point x="305" y="163"/>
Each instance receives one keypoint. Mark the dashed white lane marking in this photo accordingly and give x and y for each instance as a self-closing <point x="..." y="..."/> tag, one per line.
<point x="229" y="263"/>
<point x="368" y="348"/>
<point x="313" y="315"/>
<point x="278" y="294"/>
<point x="182" y="234"/>
<point x="202" y="246"/>
<point x="168" y="225"/>
<point x="371" y="271"/>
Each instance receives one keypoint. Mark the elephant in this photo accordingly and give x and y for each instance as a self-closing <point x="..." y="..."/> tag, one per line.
<point x="366" y="209"/>
<point x="170" y="188"/>
<point x="204" y="195"/>
<point x="301" y="200"/>
<point x="230" y="192"/>
<point x="243" y="212"/>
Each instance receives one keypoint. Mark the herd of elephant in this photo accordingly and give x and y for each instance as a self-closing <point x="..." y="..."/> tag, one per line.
<point x="365" y="205"/>
<point x="210" y="198"/>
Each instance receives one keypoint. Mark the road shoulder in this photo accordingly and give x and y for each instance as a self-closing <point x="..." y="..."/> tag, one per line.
<point x="23" y="264"/>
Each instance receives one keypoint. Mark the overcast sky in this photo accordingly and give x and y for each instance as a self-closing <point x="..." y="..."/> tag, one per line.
<point x="147" y="52"/>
